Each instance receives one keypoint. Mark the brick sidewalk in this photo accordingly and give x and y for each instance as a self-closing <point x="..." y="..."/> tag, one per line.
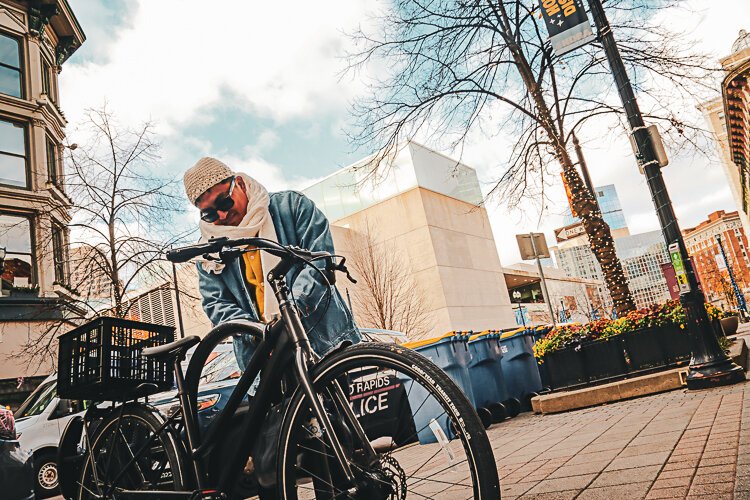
<point x="673" y="445"/>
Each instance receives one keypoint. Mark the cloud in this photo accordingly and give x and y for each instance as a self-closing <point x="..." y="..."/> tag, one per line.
<point x="180" y="63"/>
<point x="177" y="59"/>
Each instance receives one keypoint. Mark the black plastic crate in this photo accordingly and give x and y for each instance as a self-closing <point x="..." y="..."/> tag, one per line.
<point x="102" y="359"/>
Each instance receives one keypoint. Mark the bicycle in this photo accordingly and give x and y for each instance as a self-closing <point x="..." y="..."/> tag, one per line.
<point x="311" y="443"/>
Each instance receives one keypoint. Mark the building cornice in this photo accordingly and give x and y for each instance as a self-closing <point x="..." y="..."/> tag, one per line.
<point x="696" y="231"/>
<point x="58" y="16"/>
<point x="737" y="115"/>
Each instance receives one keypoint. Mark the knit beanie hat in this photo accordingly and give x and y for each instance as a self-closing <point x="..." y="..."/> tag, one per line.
<point x="204" y="175"/>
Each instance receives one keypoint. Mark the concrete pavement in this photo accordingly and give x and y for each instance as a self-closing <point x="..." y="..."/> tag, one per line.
<point x="678" y="444"/>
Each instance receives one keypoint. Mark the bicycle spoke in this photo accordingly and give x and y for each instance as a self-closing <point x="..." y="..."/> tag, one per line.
<point x="434" y="470"/>
<point x="128" y="454"/>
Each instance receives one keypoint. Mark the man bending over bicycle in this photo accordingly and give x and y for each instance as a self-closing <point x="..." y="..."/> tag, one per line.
<point x="235" y="205"/>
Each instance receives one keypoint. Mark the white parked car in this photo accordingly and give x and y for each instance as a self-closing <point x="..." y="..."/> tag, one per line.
<point x="39" y="422"/>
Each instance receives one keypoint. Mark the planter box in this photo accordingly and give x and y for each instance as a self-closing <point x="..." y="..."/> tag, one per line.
<point x="629" y="354"/>
<point x="676" y="345"/>
<point x="729" y="325"/>
<point x="644" y="350"/>
<point x="565" y="368"/>
<point x="604" y="359"/>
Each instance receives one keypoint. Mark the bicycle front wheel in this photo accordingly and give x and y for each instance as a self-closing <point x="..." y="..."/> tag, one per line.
<point x="430" y="443"/>
<point x="132" y="451"/>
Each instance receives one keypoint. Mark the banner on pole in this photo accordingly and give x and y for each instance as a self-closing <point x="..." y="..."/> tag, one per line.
<point x="567" y="24"/>
<point x="569" y="194"/>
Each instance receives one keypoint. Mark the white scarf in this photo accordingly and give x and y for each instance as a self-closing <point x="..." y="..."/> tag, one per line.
<point x="257" y="222"/>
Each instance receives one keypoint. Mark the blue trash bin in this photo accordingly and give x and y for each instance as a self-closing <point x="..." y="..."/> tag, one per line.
<point x="487" y="378"/>
<point x="451" y="354"/>
<point x="520" y="367"/>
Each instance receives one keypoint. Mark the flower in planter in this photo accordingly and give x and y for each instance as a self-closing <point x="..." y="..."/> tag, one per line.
<point x="715" y="313"/>
<point x="655" y="316"/>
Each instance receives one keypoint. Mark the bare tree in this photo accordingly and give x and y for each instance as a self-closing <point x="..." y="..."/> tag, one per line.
<point x="387" y="295"/>
<point x="483" y="66"/>
<point x="123" y="220"/>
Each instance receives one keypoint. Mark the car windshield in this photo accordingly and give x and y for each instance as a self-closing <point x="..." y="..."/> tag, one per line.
<point x="222" y="365"/>
<point x="38" y="400"/>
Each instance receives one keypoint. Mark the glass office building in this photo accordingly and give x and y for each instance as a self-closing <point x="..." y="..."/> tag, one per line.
<point x="641" y="256"/>
<point x="609" y="203"/>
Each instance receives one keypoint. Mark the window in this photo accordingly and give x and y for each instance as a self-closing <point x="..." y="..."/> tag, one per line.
<point x="10" y="66"/>
<point x="46" y="88"/>
<point x="48" y="81"/>
<point x="52" y="161"/>
<point x="58" y="253"/>
<point x="18" y="267"/>
<point x="13" y="154"/>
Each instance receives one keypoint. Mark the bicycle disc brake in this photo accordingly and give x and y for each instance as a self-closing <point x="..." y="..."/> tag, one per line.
<point x="387" y="481"/>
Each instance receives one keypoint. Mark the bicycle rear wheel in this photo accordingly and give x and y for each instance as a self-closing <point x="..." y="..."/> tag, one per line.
<point x="430" y="441"/>
<point x="158" y="464"/>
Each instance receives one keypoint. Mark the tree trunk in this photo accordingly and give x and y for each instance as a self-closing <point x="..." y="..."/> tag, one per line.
<point x="600" y="238"/>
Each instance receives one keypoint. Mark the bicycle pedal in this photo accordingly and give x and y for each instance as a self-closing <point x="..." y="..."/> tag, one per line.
<point x="208" y="495"/>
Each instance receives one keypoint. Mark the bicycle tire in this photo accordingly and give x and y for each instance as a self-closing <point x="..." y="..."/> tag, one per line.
<point x="461" y="415"/>
<point x="134" y="416"/>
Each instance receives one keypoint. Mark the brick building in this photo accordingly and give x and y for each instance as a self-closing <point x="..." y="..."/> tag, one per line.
<point x="710" y="264"/>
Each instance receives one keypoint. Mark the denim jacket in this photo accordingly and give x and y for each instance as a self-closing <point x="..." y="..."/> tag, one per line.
<point x="325" y="316"/>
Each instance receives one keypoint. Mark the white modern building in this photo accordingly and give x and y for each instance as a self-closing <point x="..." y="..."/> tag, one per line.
<point x="427" y="209"/>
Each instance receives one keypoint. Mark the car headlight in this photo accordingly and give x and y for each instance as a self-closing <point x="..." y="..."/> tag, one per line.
<point x="203" y="403"/>
<point x="207" y="401"/>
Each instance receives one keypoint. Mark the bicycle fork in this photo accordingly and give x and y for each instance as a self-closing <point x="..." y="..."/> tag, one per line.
<point x="302" y="357"/>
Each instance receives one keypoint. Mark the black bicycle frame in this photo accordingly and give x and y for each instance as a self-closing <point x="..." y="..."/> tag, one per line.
<point x="286" y="343"/>
<point x="281" y="344"/>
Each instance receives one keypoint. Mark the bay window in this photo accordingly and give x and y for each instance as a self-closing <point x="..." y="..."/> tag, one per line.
<point x="10" y="66"/>
<point x="13" y="155"/>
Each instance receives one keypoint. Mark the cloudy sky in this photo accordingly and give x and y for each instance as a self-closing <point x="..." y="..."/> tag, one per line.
<point x="258" y="85"/>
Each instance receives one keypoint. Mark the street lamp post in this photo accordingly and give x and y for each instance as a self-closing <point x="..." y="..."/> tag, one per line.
<point x="741" y="303"/>
<point x="564" y="314"/>
<point x="3" y="253"/>
<point x="517" y="298"/>
<point x="709" y="365"/>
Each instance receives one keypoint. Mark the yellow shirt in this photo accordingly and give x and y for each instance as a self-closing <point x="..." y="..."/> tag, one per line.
<point x="254" y="277"/>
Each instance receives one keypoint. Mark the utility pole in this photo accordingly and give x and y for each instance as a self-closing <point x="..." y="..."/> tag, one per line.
<point x="177" y="300"/>
<point x="543" y="281"/>
<point x="709" y="365"/>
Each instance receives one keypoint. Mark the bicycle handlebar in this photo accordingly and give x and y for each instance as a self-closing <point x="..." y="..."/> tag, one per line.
<point x="226" y="247"/>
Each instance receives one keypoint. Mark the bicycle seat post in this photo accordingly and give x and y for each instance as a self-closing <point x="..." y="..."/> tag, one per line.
<point x="188" y="414"/>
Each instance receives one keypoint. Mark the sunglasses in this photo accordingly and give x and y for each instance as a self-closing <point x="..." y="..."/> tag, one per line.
<point x="222" y="205"/>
